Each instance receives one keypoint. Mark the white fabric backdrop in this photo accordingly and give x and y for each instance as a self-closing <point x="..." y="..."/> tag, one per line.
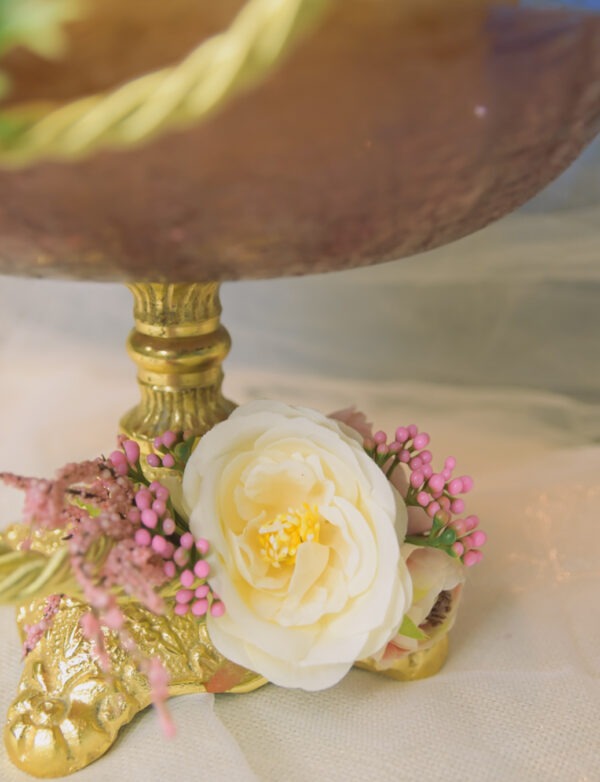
<point x="491" y="345"/>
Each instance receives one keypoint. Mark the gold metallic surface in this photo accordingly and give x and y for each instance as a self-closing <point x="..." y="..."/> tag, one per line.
<point x="67" y="712"/>
<point x="178" y="345"/>
<point x="416" y="665"/>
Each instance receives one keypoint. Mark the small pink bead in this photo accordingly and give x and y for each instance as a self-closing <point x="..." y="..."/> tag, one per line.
<point x="187" y="578"/>
<point x="169" y="439"/>
<point x="450" y="463"/>
<point x="405" y="456"/>
<point x="132" y="451"/>
<point x="169" y="569"/>
<point x="423" y="498"/>
<point x="382" y="449"/>
<point x="157" y="442"/>
<point x="159" y="507"/>
<point x="143" y="499"/>
<point x="202" y="545"/>
<point x="153" y="460"/>
<point x="181" y="609"/>
<point x="168" y="461"/>
<point x="155" y="486"/>
<point x="201" y="568"/>
<point x="368" y="444"/>
<point x="159" y="544"/>
<point x="395" y="447"/>
<point x="181" y="557"/>
<point x="458" y="548"/>
<point x="402" y="434"/>
<point x="412" y="430"/>
<point x="421" y="441"/>
<point x="416" y="479"/>
<point x="436" y="482"/>
<point x="432" y="509"/>
<point x="217" y="609"/>
<point x="187" y="540"/>
<point x="415" y="463"/>
<point x="184" y="596"/>
<point x="168" y="526"/>
<point x="143" y="537"/>
<point x="467" y="483"/>
<point x="380" y="437"/>
<point x="118" y="458"/>
<point x="202" y="591"/>
<point x="162" y="493"/>
<point x="457" y="506"/>
<point x="467" y="542"/>
<point x="149" y="518"/>
<point x="471" y="558"/>
<point x="426" y="457"/>
<point x="169" y="550"/>
<point x="455" y="486"/>
<point x="427" y="471"/>
<point x="471" y="522"/>
<point x="444" y="502"/>
<point x="200" y="607"/>
<point x="478" y="537"/>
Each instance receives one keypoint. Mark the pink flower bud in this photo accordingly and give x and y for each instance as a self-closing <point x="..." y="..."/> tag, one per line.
<point x="168" y="526"/>
<point x="201" y="568"/>
<point x="169" y="439"/>
<point x="380" y="437"/>
<point x="153" y="460"/>
<point x="455" y="486"/>
<point x="478" y="537"/>
<point x="132" y="451"/>
<point x="143" y="537"/>
<point x="402" y="434"/>
<point x="423" y="498"/>
<point x="184" y="596"/>
<point x="187" y="540"/>
<point x="187" y="578"/>
<point x="149" y="518"/>
<point x="200" y="607"/>
<point x="217" y="609"/>
<point x="202" y="545"/>
<point x="168" y="461"/>
<point x="421" y="440"/>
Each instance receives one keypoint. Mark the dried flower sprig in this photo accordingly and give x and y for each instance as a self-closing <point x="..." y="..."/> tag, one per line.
<point x="124" y="537"/>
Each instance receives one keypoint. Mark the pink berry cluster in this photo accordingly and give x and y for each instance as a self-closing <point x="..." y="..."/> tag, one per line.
<point x="171" y="451"/>
<point x="458" y="537"/>
<point x="435" y="492"/>
<point x="183" y="555"/>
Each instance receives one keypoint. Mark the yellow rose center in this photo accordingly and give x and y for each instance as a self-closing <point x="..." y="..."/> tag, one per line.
<point x="280" y="538"/>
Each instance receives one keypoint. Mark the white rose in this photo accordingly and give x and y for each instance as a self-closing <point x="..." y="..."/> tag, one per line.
<point x="304" y="531"/>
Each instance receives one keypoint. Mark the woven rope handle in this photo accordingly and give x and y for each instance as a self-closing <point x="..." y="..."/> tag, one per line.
<point x="171" y="98"/>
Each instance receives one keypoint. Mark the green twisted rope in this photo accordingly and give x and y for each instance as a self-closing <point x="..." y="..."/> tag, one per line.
<point x="220" y="67"/>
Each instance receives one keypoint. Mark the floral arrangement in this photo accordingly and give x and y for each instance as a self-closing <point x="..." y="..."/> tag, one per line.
<point x="305" y="542"/>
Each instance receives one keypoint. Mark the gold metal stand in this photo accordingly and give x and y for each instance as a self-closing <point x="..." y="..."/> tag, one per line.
<point x="67" y="712"/>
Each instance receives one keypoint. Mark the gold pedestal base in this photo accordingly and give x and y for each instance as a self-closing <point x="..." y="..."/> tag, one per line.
<point x="68" y="712"/>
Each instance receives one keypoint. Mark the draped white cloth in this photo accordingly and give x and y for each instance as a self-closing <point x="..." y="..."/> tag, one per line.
<point x="491" y="346"/>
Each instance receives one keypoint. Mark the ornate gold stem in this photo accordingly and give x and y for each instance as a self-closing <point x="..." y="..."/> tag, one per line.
<point x="178" y="344"/>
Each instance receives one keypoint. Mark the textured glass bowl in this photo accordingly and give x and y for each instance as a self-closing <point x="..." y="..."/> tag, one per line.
<point x="396" y="127"/>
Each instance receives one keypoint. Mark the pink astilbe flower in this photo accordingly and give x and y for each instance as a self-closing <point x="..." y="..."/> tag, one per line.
<point x="34" y="633"/>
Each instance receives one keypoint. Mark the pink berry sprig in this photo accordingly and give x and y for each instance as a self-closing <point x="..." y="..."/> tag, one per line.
<point x="171" y="451"/>
<point x="459" y="538"/>
<point x="435" y="492"/>
<point x="183" y="555"/>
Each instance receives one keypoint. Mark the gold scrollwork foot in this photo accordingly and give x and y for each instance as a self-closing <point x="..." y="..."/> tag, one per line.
<point x="68" y="713"/>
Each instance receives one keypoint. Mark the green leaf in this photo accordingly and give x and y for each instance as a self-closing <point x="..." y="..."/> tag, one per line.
<point x="410" y="630"/>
